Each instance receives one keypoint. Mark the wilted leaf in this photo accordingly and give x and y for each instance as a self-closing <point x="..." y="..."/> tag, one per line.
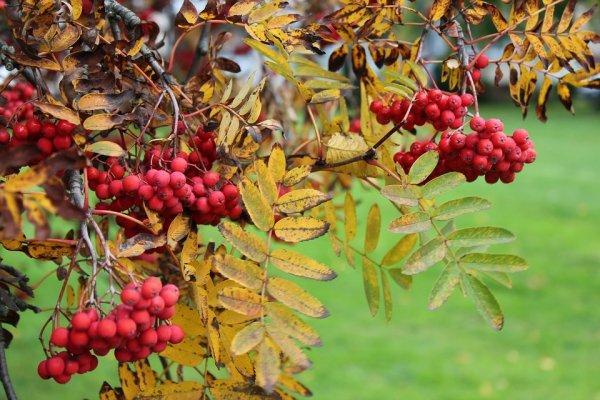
<point x="387" y="296"/>
<point x="139" y="244"/>
<point x="283" y="319"/>
<point x="58" y="111"/>
<point x="266" y="183"/>
<point x="248" y="338"/>
<point x="178" y="229"/>
<point x="248" y="244"/>
<point x="244" y="272"/>
<point x="296" y="175"/>
<point x="350" y="218"/>
<point x="241" y="300"/>
<point x="403" y="280"/>
<point x="104" y="101"/>
<point x="267" y="365"/>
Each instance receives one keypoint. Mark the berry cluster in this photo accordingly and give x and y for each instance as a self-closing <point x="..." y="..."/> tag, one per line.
<point x="442" y="110"/>
<point x="487" y="151"/>
<point x="133" y="329"/>
<point x="170" y="183"/>
<point x="481" y="62"/>
<point x="47" y="135"/>
<point x="15" y="102"/>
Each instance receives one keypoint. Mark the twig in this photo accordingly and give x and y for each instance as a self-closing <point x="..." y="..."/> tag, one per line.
<point x="4" y="374"/>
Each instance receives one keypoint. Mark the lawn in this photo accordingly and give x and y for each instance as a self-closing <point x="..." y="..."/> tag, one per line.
<point x="548" y="349"/>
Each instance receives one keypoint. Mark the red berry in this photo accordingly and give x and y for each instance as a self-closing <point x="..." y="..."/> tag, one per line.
<point x="48" y="130"/>
<point x="502" y="166"/>
<point x="149" y="337"/>
<point x="107" y="328"/>
<point x="130" y="296"/>
<point x="102" y="191"/>
<point x="157" y="304"/>
<point x="476" y="75"/>
<point x="433" y="111"/>
<point x="166" y="313"/>
<point x="115" y="187"/>
<point x="516" y="167"/>
<point x="131" y="183"/>
<point x="383" y="119"/>
<point x="141" y="317"/>
<point x="507" y="177"/>
<point x="78" y="338"/>
<point x="458" y="141"/>
<point x="179" y="164"/>
<point x="492" y="177"/>
<point x="20" y="132"/>
<point x="376" y="106"/>
<point x="520" y="136"/>
<point x="477" y="124"/>
<point x="146" y="192"/>
<point x="62" y="379"/>
<point x="466" y="155"/>
<point x="155" y="204"/>
<point x="55" y="366"/>
<point x="151" y="287"/>
<point x="216" y="199"/>
<point x="447" y="117"/>
<point x="416" y="149"/>
<point x="482" y="61"/>
<point x="230" y="191"/>
<point x="177" y="334"/>
<point x="530" y="156"/>
<point x="34" y="127"/>
<point x="494" y="125"/>
<point x="177" y="180"/>
<point x="163" y="333"/>
<point x="60" y="337"/>
<point x="162" y="178"/>
<point x="480" y="162"/>
<point x="126" y="328"/>
<point x="159" y="347"/>
<point x="435" y="95"/>
<point x="211" y="178"/>
<point x="4" y="136"/>
<point x="71" y="367"/>
<point x="45" y="146"/>
<point x="496" y="155"/>
<point x="42" y="370"/>
<point x="467" y="99"/>
<point x="62" y="142"/>
<point x="122" y="355"/>
<point x="65" y="127"/>
<point x="80" y="321"/>
<point x="485" y="147"/>
<point x="170" y="294"/>
<point x="143" y="304"/>
<point x="445" y="146"/>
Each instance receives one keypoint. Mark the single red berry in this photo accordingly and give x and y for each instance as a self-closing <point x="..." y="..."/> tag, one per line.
<point x="81" y="321"/>
<point x="140" y="317"/>
<point x="383" y="119"/>
<point x="515" y="155"/>
<point x="122" y="355"/>
<point x="507" y="177"/>
<point x="496" y="155"/>
<point x="177" y="334"/>
<point x="454" y="101"/>
<point x="502" y="166"/>
<point x="516" y="167"/>
<point x="421" y="99"/>
<point x="45" y="146"/>
<point x="20" y="131"/>
<point x="4" y="136"/>
<point x="159" y="347"/>
<point x="476" y="75"/>
<point x="143" y="304"/>
<point x="355" y="125"/>
<point x="48" y="130"/>
<point x="416" y="148"/>
<point x="467" y="99"/>
<point x="163" y="333"/>
<point x="492" y="177"/>
<point x="55" y="366"/>
<point x="211" y="178"/>
<point x="130" y="296"/>
<point x="216" y="198"/>
<point x="131" y="183"/>
<point x="530" y="156"/>
<point x="126" y="328"/>
<point x="107" y="328"/>
<point x="458" y="141"/>
<point x="477" y="124"/>
<point x="480" y="162"/>
<point x="177" y="180"/>
<point x="494" y="125"/>
<point x="34" y="127"/>
<point x="149" y="337"/>
<point x="433" y="111"/>
<point x="156" y="204"/>
<point x="466" y="155"/>
<point x="485" y="147"/>
<point x="115" y="187"/>
<point x="170" y="294"/>
<point x="42" y="370"/>
<point x="179" y="164"/>
<point x="447" y="117"/>
<point x="520" y="136"/>
<point x="376" y="106"/>
<point x="62" y="142"/>
<point x="71" y="367"/>
<point x="78" y="338"/>
<point x="157" y="304"/>
<point x="482" y="61"/>
<point x="161" y="178"/>
<point x="445" y="146"/>
<point x="167" y="313"/>
<point x="435" y="95"/>
<point x="60" y="337"/>
<point x="65" y="127"/>
<point x="151" y="287"/>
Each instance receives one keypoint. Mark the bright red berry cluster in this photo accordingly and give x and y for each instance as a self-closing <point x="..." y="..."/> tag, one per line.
<point x="440" y="109"/>
<point x="487" y="151"/>
<point x="133" y="329"/>
<point x="481" y="62"/>
<point x="169" y="183"/>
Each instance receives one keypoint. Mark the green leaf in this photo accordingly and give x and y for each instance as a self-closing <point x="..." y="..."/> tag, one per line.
<point x="404" y="196"/>
<point x="494" y="262"/>
<point x="403" y="280"/>
<point x="426" y="256"/>
<point x="500" y="277"/>
<point x="411" y="223"/>
<point x="484" y="300"/>
<point x="106" y="148"/>
<point x="371" y="284"/>
<point x="444" y="286"/>
<point x="455" y="208"/>
<point x="480" y="236"/>
<point x="423" y="167"/>
<point x="442" y="184"/>
<point x="325" y="96"/>
<point x="419" y="72"/>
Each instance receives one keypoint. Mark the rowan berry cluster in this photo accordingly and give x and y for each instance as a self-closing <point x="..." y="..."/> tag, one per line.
<point x="134" y="329"/>
<point x="168" y="183"/>
<point x="487" y="151"/>
<point x="15" y="103"/>
<point x="433" y="106"/>
<point x="481" y="62"/>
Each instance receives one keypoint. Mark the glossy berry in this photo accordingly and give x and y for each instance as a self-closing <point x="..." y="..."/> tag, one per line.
<point x="126" y="328"/>
<point x="60" y="337"/>
<point x="107" y="328"/>
<point x="482" y="61"/>
<point x="151" y="287"/>
<point x="80" y="321"/>
<point x="177" y="334"/>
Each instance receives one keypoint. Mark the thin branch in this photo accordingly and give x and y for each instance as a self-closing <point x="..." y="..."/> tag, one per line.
<point x="4" y="374"/>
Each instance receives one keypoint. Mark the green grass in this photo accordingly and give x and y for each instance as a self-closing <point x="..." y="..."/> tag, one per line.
<point x="548" y="348"/>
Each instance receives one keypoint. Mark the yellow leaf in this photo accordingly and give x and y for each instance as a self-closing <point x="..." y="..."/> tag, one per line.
<point x="187" y="353"/>
<point x="341" y="148"/>
<point x="267" y="365"/>
<point x="296" y="359"/>
<point x="296" y="175"/>
<point x="371" y="284"/>
<point x="106" y="148"/>
<point x="25" y="180"/>
<point x="373" y="229"/>
<point x="241" y="300"/>
<point x="178" y="229"/>
<point x="61" y="39"/>
<point x="266" y="183"/>
<point x="283" y="319"/>
<point x="300" y="229"/>
<point x="248" y="338"/>
<point x="248" y="244"/>
<point x="104" y="101"/>
<point x="246" y="273"/>
<point x="58" y="111"/>
<point x="76" y="7"/>
<point x="295" y="297"/>
<point x="189" y="320"/>
<point x="103" y="122"/>
<point x="257" y="205"/>
<point x="438" y="9"/>
<point x="300" y="200"/>
<point x="182" y="390"/>
<point x="387" y="296"/>
<point x="298" y="264"/>
<point x="188" y="255"/>
<point x="277" y="165"/>
<point x="325" y="95"/>
<point x="242" y="7"/>
<point x="400" y="250"/>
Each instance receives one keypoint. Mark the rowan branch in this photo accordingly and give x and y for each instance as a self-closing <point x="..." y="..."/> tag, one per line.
<point x="4" y="373"/>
